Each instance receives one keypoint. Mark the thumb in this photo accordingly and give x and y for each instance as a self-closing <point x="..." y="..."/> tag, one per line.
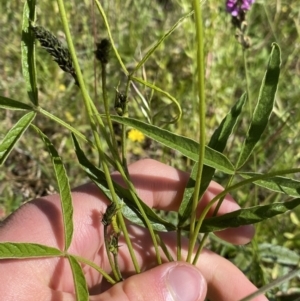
<point x="174" y="281"/>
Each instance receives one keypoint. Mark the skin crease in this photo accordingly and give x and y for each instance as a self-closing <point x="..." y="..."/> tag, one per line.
<point x="158" y="185"/>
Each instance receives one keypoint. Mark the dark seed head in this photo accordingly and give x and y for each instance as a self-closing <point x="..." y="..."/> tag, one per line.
<point x="54" y="47"/>
<point x="102" y="51"/>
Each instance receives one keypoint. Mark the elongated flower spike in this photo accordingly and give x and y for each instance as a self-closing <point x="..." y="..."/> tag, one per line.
<point x="54" y="47"/>
<point x="238" y="9"/>
<point x="102" y="51"/>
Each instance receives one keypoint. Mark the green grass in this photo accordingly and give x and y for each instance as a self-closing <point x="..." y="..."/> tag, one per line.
<point x="136" y="26"/>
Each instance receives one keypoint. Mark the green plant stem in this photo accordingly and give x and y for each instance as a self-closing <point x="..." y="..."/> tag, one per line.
<point x="164" y="248"/>
<point x="101" y="10"/>
<point x="247" y="80"/>
<point x="106" y="106"/>
<point x="96" y="267"/>
<point x="116" y="264"/>
<point x="141" y="210"/>
<point x="124" y="127"/>
<point x="159" y="42"/>
<point x="202" y="242"/>
<point x="90" y="107"/>
<point x="71" y="129"/>
<point x="64" y="124"/>
<point x="201" y="113"/>
<point x="111" y="262"/>
<point x="249" y="96"/>
<point x="179" y="237"/>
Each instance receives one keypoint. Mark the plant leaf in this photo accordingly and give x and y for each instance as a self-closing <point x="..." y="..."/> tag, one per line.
<point x="264" y="105"/>
<point x="220" y="136"/>
<point x="11" y="104"/>
<point x="130" y="211"/>
<point x="284" y="185"/>
<point x="246" y="216"/>
<point x="279" y="254"/>
<point x="63" y="186"/>
<point x="185" y="208"/>
<point x="81" y="289"/>
<point x="14" y="134"/>
<point x="28" y="51"/>
<point x="26" y="250"/>
<point x="184" y="145"/>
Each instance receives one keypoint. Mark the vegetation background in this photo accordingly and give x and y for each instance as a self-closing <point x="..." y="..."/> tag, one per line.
<point x="136" y="25"/>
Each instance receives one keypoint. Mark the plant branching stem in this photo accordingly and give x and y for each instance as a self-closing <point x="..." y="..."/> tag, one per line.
<point x="110" y="259"/>
<point x="96" y="267"/>
<point x="90" y="108"/>
<point x="201" y="245"/>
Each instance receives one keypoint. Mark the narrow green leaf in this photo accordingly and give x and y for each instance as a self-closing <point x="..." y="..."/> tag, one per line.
<point x="81" y="288"/>
<point x="130" y="211"/>
<point x="274" y="253"/>
<point x="220" y="136"/>
<point x="217" y="142"/>
<point x="184" y="145"/>
<point x="14" y="134"/>
<point x="264" y="105"/>
<point x="219" y="139"/>
<point x="185" y="208"/>
<point x="246" y="216"/>
<point x="284" y="185"/>
<point x="28" y="51"/>
<point x="26" y="250"/>
<point x="11" y="104"/>
<point x="63" y="186"/>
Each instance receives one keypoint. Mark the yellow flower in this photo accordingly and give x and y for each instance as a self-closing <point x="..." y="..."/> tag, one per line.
<point x="62" y="88"/>
<point x="70" y="118"/>
<point x="136" y="136"/>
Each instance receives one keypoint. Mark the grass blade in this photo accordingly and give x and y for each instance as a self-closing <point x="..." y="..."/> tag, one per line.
<point x="26" y="250"/>
<point x="28" y="51"/>
<point x="160" y="41"/>
<point x="264" y="105"/>
<point x="81" y="289"/>
<point x="184" y="145"/>
<point x="251" y="215"/>
<point x="64" y="188"/>
<point x="11" y="104"/>
<point x="14" y="134"/>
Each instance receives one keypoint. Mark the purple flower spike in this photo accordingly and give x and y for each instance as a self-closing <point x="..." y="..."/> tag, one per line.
<point x="235" y="7"/>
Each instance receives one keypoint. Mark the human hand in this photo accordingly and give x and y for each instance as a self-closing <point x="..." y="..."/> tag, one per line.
<point x="161" y="187"/>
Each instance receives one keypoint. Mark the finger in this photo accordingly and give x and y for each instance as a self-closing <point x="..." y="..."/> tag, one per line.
<point x="162" y="187"/>
<point x="225" y="281"/>
<point x="170" y="281"/>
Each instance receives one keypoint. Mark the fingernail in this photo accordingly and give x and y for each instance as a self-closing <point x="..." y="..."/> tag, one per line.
<point x="185" y="283"/>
